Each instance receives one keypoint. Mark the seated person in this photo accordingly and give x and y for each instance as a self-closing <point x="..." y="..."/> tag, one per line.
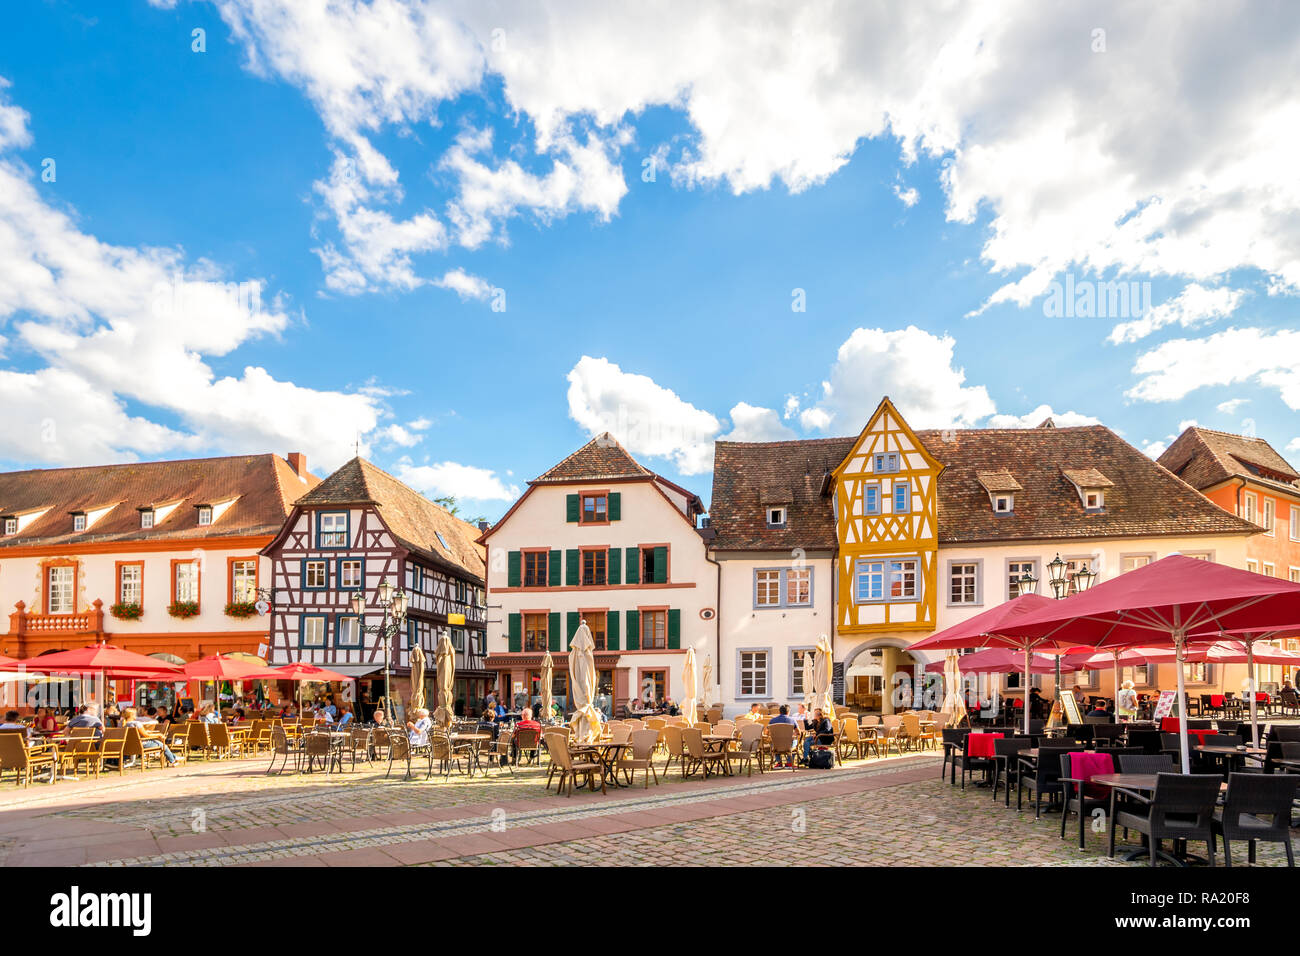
<point x="148" y="740"/>
<point x="379" y="718"/>
<point x="45" y="720"/>
<point x="820" y="732"/>
<point x="525" y="722"/>
<point x="784" y="718"/>
<point x="209" y="715"/>
<point x="346" y="717"/>
<point x="418" y="730"/>
<point x="1099" y="709"/>
<point x="12" y="722"/>
<point x="754" y="713"/>
<point x="88" y="717"/>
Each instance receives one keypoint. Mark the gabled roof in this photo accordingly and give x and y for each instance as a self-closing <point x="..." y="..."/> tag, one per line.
<point x="264" y="487"/>
<point x="1143" y="499"/>
<point x="413" y="519"/>
<point x="998" y="480"/>
<point x="601" y="459"/>
<point x="1203" y="457"/>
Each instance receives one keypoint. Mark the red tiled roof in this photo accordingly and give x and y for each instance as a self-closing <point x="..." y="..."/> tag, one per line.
<point x="413" y="519"/>
<point x="1143" y="499"/>
<point x="601" y="459"/>
<point x="264" y="487"/>
<point x="1203" y="457"/>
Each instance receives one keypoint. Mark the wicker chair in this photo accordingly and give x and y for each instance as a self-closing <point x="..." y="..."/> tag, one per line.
<point x="1045" y="778"/>
<point x="853" y="737"/>
<point x="1006" y="764"/>
<point x="697" y="757"/>
<point x="112" y="746"/>
<point x="1250" y="797"/>
<point x="748" y="749"/>
<point x="25" y="760"/>
<point x="317" y="747"/>
<point x="527" y="740"/>
<point x="283" y="748"/>
<point x="676" y="750"/>
<point x="891" y="732"/>
<point x="781" y="739"/>
<point x="134" y="747"/>
<point x="1076" y="797"/>
<point x="570" y="770"/>
<point x="1182" y="808"/>
<point x="642" y="757"/>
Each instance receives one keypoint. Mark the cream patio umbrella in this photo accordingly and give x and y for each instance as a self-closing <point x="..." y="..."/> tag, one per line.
<point x="582" y="685"/>
<point x="444" y="663"/>
<point x="417" y="677"/>
<point x="690" y="703"/>
<point x="548" y="678"/>
<point x="808" y="692"/>
<point x="822" y="678"/>
<point x="708" y="681"/>
<point x="953" y="703"/>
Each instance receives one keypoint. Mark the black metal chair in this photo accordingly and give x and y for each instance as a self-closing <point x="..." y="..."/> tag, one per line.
<point x="1250" y="797"/>
<point x="1079" y="732"/>
<point x="1180" y="809"/>
<point x="1107" y="735"/>
<point x="1147" y="763"/>
<point x="1149" y="740"/>
<point x="1079" y="796"/>
<point x="969" y="764"/>
<point x="1044" y="779"/>
<point x="1006" y="763"/>
<point x="954" y="740"/>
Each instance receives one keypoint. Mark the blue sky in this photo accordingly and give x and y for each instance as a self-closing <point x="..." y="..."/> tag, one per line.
<point x="459" y="263"/>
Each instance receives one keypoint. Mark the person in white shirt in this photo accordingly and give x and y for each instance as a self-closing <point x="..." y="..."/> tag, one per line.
<point x="418" y="731"/>
<point x="801" y="717"/>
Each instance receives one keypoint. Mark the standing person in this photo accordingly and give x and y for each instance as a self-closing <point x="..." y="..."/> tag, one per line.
<point x="1126" y="701"/>
<point x="1037" y="706"/>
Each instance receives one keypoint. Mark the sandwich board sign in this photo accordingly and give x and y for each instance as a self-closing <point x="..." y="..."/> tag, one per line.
<point x="1165" y="705"/>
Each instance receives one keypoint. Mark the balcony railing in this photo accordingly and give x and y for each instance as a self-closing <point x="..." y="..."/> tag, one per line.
<point x="88" y="622"/>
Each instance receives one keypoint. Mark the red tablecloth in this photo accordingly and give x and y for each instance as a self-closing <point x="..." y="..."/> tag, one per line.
<point x="1216" y="700"/>
<point x="981" y="745"/>
<point x="1085" y="766"/>
<point x="1170" y="726"/>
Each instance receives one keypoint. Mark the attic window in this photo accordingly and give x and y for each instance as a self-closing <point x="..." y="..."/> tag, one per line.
<point x="442" y="541"/>
<point x="78" y="521"/>
<point x="1004" y="504"/>
<point x="886" y="463"/>
<point x="146" y="518"/>
<point x="776" y="517"/>
<point x="11" y="525"/>
<point x="1094" y="499"/>
<point x="205" y="515"/>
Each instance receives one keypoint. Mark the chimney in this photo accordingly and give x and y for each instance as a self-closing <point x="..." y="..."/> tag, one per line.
<point x="483" y="525"/>
<point x="298" y="462"/>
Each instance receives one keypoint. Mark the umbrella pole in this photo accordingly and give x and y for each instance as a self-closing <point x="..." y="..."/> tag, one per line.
<point x="1115" y="681"/>
<point x="1182" y="701"/>
<point x="1254" y="702"/>
<point x="1025" y="690"/>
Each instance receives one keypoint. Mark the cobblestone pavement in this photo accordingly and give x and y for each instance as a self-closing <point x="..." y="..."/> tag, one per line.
<point x="892" y="811"/>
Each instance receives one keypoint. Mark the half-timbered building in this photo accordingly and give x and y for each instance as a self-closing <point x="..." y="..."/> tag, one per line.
<point x="359" y="527"/>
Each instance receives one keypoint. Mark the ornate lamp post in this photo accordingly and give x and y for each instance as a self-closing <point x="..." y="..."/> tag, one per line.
<point x="392" y="601"/>
<point x="1063" y="584"/>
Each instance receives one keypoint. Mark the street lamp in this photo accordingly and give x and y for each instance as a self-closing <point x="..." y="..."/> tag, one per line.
<point x="1026" y="584"/>
<point x="393" y="602"/>
<point x="1056" y="577"/>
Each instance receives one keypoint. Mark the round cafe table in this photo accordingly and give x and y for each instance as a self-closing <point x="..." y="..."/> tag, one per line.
<point x="607" y="752"/>
<point x="1145" y="783"/>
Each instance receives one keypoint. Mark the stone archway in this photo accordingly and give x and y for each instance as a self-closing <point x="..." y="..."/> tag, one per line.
<point x="877" y="659"/>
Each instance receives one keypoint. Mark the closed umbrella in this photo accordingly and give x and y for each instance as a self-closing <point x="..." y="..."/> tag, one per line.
<point x="953" y="703"/>
<point x="822" y="678"/>
<point x="708" y="681"/>
<point x="548" y="679"/>
<point x="444" y="663"/>
<point x="417" y="677"/>
<point x="582" y="681"/>
<point x="690" y="704"/>
<point x="809" y="693"/>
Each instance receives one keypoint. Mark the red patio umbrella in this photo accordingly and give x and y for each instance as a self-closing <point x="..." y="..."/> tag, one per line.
<point x="218" y="667"/>
<point x="1163" y="603"/>
<point x="1000" y="660"/>
<point x="104" y="660"/>
<point x="1242" y="650"/>
<point x="986" y="630"/>
<point x="298" y="671"/>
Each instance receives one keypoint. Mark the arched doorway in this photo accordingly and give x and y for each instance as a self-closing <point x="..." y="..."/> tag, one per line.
<point x="871" y="672"/>
<point x="158" y="693"/>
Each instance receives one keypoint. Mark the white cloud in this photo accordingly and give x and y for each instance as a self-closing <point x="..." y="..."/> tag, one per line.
<point x="815" y="419"/>
<point x="1293" y="445"/>
<point x="118" y="324"/>
<point x="646" y="418"/>
<point x="1180" y="366"/>
<point x="1231" y="405"/>
<point x="909" y="197"/>
<point x="1195" y="305"/>
<point x="1154" y="449"/>
<point x="1038" y="415"/>
<point x="752" y="423"/>
<point x="464" y="482"/>
<point x="791" y="407"/>
<point x="465" y="285"/>
<point x="913" y="367"/>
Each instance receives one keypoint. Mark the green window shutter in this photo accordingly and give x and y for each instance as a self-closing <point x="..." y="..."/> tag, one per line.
<point x="516" y="640"/>
<point x="571" y="507"/>
<point x="615" y="506"/>
<point x="633" y="630"/>
<point x="553" y="631"/>
<point x="674" y="629"/>
<point x="553" y="569"/>
<point x="513" y="575"/>
<point x="661" y="565"/>
<point x="571" y="567"/>
<point x="614" y="566"/>
<point x="611" y="631"/>
<point x="633" y="566"/>
<point x="574" y="620"/>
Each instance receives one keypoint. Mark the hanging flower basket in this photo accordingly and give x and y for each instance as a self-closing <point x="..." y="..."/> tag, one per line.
<point x="183" y="609"/>
<point x="241" y="608"/>
<point x="126" y="611"/>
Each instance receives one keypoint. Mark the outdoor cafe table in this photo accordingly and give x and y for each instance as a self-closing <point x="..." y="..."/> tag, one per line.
<point x="474" y="741"/>
<point x="1232" y="756"/>
<point x="1145" y="783"/>
<point x="607" y="752"/>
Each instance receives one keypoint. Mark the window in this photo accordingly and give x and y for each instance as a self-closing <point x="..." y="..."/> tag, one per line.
<point x="441" y="540"/>
<point x="332" y="530"/>
<point x="535" y="633"/>
<point x="1139" y="674"/>
<point x="752" y="671"/>
<point x="535" y="568"/>
<point x="1074" y="565"/>
<point x="130" y="583"/>
<point x="651" y="558"/>
<point x="593" y="566"/>
<point x="1004" y="504"/>
<point x="797" y="675"/>
<point x="902" y="579"/>
<point x="596" y="624"/>
<point x="963" y="582"/>
<point x="871" y="499"/>
<point x="653" y="685"/>
<point x="1094" y="500"/>
<point x="1252" y="566"/>
<point x="654" y="630"/>
<point x="205" y="515"/>
<point x="886" y="463"/>
<point x="783" y="587"/>
<point x="776" y="517"/>
<point x="1015" y="571"/>
<point x="595" y="509"/>
<point x="1199" y="555"/>
<point x="1128" y="562"/>
<point x="243" y="580"/>
<point x="61" y="589"/>
<point x="185" y="581"/>
<point x="767" y="588"/>
<point x="351" y="576"/>
<point x="315" y="575"/>
<point x="870" y="582"/>
<point x="347" y="632"/>
<point x="1194" y="673"/>
<point x="146" y="519"/>
<point x="313" y="631"/>
<point x="1294" y="575"/>
<point x="1248" y="506"/>
<point x="1268" y="521"/>
<point x="1295" y="522"/>
<point x="798" y="587"/>
<point x="1269" y="570"/>
<point x="11" y="525"/>
<point x="457" y="639"/>
<point x="78" y="522"/>
<point x="901" y="495"/>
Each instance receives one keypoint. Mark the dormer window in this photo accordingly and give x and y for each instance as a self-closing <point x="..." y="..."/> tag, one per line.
<point x="776" y="516"/>
<point x="205" y="515"/>
<point x="1004" y="504"/>
<point x="11" y="525"/>
<point x="146" y="518"/>
<point x="78" y="521"/>
<point x="1094" y="499"/>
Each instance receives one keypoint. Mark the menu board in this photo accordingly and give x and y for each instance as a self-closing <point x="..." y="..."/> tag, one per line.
<point x="837" y="683"/>
<point x="1070" y="706"/>
<point x="1165" y="705"/>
